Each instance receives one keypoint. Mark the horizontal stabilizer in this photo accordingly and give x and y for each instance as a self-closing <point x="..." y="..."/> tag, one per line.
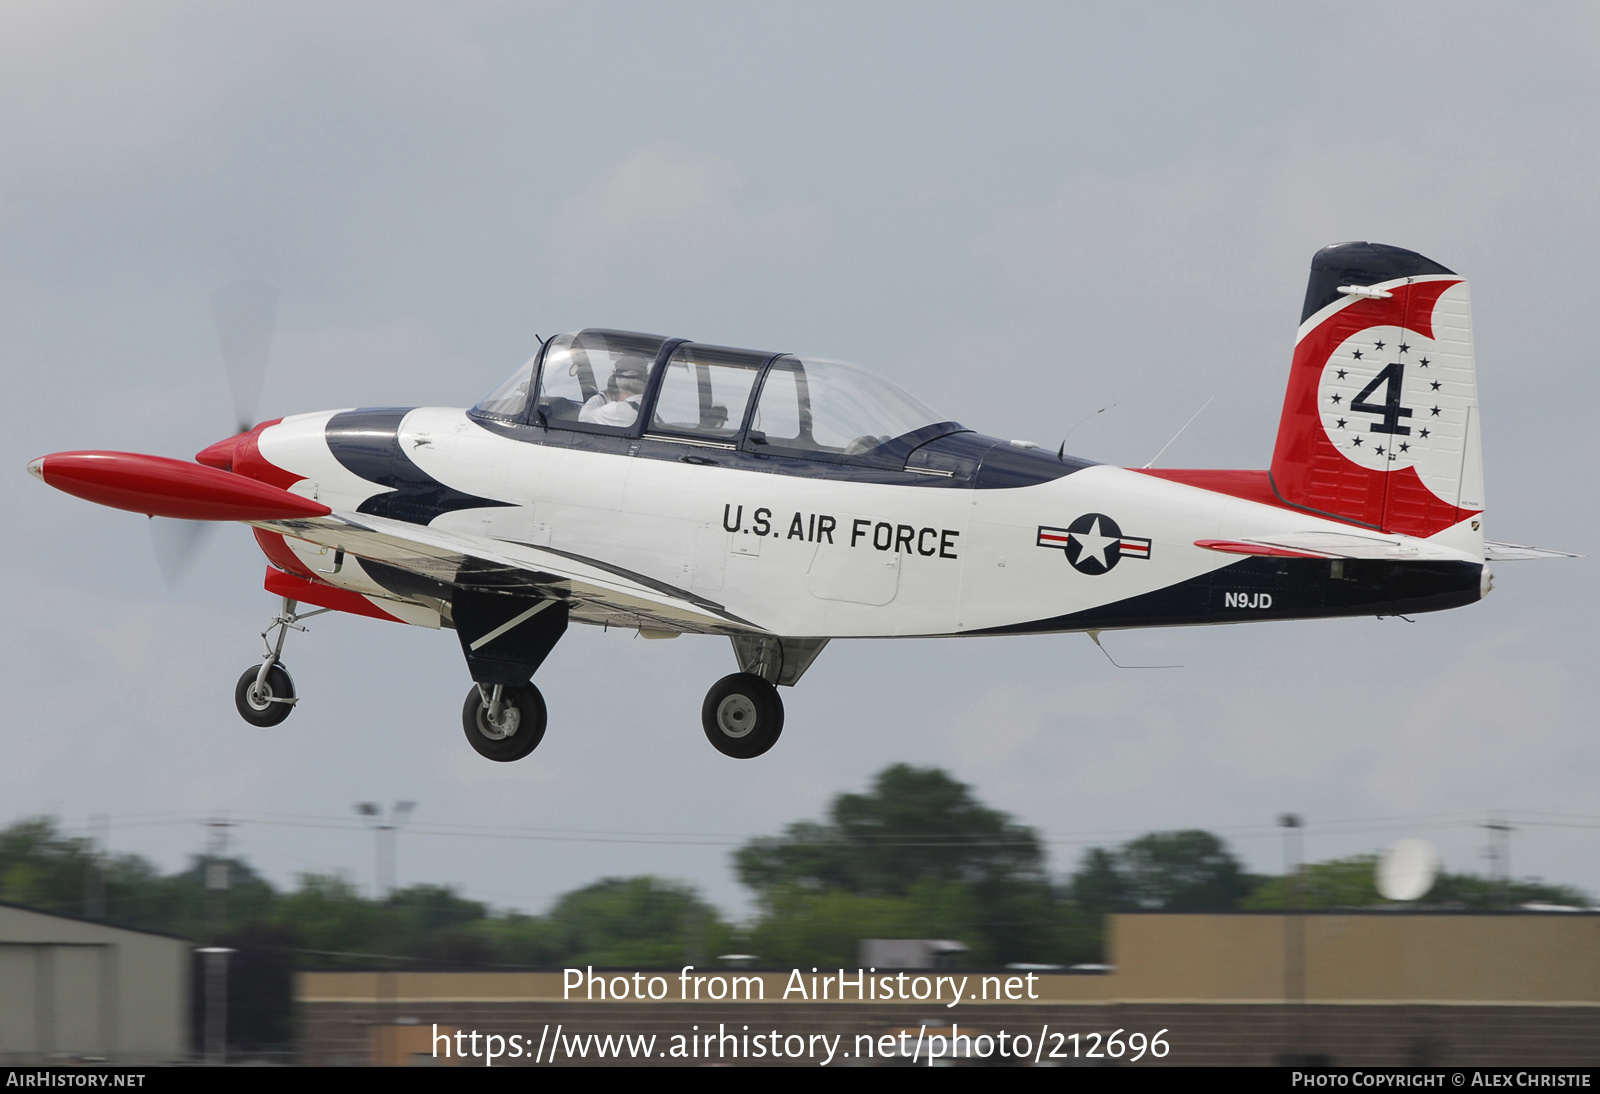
<point x="1255" y="549"/>
<point x="1333" y="545"/>
<point x="160" y="487"/>
<point x="1513" y="552"/>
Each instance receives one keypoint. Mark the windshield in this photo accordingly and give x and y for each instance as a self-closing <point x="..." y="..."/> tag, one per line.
<point x="833" y="408"/>
<point x="510" y="399"/>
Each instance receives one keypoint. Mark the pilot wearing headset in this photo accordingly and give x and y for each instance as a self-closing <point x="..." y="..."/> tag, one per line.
<point x="618" y="405"/>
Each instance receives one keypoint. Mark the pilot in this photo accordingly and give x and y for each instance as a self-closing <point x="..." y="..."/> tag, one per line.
<point x="618" y="405"/>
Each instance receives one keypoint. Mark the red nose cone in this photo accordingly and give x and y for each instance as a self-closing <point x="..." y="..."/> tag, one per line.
<point x="220" y="455"/>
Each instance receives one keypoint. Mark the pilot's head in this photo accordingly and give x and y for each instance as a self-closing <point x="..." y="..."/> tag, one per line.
<point x="629" y="377"/>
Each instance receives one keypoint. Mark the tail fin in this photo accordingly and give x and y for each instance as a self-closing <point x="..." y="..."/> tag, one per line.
<point x="1380" y="421"/>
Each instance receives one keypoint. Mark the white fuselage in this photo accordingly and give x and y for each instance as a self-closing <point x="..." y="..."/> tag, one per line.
<point x="797" y="556"/>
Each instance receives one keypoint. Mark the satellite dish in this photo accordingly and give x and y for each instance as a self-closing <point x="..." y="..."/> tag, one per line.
<point x="1407" y="870"/>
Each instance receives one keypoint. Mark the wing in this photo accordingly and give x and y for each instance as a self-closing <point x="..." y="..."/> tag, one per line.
<point x="596" y="591"/>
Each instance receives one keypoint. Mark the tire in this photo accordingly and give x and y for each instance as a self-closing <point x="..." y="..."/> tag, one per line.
<point x="742" y="716"/>
<point x="491" y="743"/>
<point x="255" y="709"/>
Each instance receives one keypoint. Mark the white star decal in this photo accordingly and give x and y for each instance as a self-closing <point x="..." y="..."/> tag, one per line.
<point x="1092" y="544"/>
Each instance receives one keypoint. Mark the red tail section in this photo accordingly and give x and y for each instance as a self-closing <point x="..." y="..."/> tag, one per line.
<point x="1379" y="423"/>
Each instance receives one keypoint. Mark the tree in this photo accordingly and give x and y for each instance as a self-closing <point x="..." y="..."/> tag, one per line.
<point x="1188" y="871"/>
<point x="43" y="869"/>
<point x="916" y="825"/>
<point x="1352" y="883"/>
<point x="638" y="922"/>
<point x="1340" y="883"/>
<point x="1099" y="884"/>
<point x="920" y="856"/>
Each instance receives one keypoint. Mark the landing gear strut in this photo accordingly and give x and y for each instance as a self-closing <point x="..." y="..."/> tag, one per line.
<point x="504" y="723"/>
<point x="265" y="693"/>
<point x="742" y="716"/>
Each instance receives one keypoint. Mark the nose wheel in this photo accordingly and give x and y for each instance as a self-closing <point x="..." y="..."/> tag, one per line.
<point x="742" y="716"/>
<point x="264" y="695"/>
<point x="264" y="702"/>
<point x="504" y="724"/>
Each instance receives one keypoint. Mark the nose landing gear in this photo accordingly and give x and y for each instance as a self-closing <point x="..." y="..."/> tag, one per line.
<point x="265" y="695"/>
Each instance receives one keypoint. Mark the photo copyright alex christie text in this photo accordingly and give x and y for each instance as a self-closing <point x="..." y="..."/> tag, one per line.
<point x="1434" y="1077"/>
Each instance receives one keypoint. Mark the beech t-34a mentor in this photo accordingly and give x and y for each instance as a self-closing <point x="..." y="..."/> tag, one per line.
<point x="673" y="487"/>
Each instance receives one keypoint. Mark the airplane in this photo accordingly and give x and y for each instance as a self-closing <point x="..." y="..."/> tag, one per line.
<point x="673" y="487"/>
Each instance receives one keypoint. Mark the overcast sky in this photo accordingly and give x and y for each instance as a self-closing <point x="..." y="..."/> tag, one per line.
<point x="1020" y="212"/>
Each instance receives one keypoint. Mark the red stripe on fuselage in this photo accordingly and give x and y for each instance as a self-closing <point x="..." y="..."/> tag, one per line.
<point x="1247" y="485"/>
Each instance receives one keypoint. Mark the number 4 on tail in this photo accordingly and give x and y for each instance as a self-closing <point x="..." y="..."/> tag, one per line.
<point x="1391" y="409"/>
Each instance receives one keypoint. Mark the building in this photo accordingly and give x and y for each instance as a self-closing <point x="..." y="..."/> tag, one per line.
<point x="73" y="989"/>
<point x="1367" y="988"/>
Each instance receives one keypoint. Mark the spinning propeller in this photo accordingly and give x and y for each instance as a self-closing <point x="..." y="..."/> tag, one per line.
<point x="246" y="313"/>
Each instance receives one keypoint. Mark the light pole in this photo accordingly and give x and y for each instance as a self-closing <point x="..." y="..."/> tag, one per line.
<point x="1294" y="984"/>
<point x="1294" y="934"/>
<point x="216" y="1004"/>
<point x="386" y="828"/>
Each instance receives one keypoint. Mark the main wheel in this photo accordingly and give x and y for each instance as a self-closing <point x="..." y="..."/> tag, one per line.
<point x="518" y="732"/>
<point x="257" y="706"/>
<point x="742" y="716"/>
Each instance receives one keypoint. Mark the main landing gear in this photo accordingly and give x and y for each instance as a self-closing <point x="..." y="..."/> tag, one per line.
<point x="265" y="693"/>
<point x="742" y="716"/>
<point x="504" y="723"/>
<point x="743" y="713"/>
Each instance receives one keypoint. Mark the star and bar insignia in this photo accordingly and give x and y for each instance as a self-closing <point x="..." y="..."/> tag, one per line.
<point x="1093" y="543"/>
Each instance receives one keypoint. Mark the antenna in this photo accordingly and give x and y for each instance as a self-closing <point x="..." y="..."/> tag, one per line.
<point x="1094" y="636"/>
<point x="1500" y="830"/>
<point x="1061" y="453"/>
<point x="216" y="873"/>
<point x="94" y="889"/>
<point x="1179" y="433"/>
